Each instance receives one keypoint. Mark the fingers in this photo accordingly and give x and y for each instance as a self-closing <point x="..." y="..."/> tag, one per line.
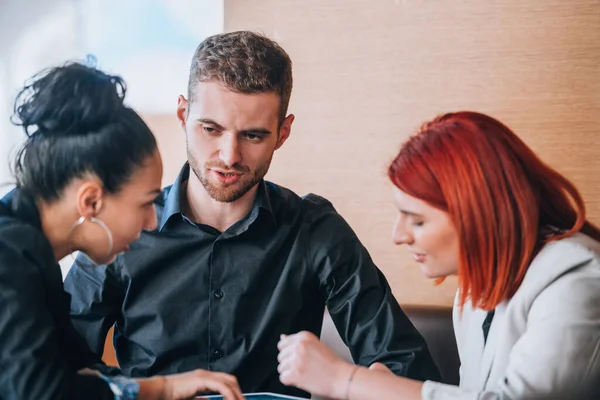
<point x="188" y="384"/>
<point x="293" y="348"/>
<point x="287" y="375"/>
<point x="228" y="392"/>
<point x="225" y="384"/>
<point x="290" y="357"/>
<point x="298" y="357"/>
<point x="289" y="340"/>
<point x="88" y="371"/>
<point x="286" y="340"/>
<point x="296" y="346"/>
<point x="289" y="366"/>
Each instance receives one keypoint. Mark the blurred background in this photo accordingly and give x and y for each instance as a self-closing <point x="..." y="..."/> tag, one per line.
<point x="367" y="74"/>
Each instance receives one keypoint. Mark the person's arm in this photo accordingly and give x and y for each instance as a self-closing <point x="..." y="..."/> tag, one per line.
<point x="30" y="364"/>
<point x="308" y="364"/>
<point x="188" y="384"/>
<point x="557" y="357"/>
<point x="96" y="299"/>
<point x="171" y="387"/>
<point x="362" y="306"/>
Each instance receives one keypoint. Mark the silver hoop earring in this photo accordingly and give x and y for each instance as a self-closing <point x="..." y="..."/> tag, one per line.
<point x="97" y="221"/>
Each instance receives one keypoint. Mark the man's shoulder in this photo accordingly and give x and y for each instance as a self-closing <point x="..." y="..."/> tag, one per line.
<point x="316" y="212"/>
<point x="286" y="200"/>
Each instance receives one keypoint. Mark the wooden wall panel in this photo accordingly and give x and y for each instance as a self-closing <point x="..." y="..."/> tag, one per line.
<point x="367" y="73"/>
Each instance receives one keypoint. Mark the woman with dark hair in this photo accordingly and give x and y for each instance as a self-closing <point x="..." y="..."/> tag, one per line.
<point x="474" y="201"/>
<point x="86" y="180"/>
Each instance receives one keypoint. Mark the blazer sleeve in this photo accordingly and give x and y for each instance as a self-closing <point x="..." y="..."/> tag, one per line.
<point x="558" y="356"/>
<point x="362" y="306"/>
<point x="30" y="361"/>
<point x="96" y="300"/>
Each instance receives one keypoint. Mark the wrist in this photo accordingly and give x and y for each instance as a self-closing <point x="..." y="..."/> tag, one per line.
<point x="167" y="390"/>
<point x="154" y="388"/>
<point x="345" y="376"/>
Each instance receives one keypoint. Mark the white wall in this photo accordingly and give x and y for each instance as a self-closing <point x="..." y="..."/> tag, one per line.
<point x="34" y="35"/>
<point x="148" y="42"/>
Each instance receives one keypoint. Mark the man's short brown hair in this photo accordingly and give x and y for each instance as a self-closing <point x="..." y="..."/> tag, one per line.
<point x="244" y="62"/>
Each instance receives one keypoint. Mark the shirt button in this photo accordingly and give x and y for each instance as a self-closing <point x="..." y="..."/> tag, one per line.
<point x="217" y="353"/>
<point x="219" y="294"/>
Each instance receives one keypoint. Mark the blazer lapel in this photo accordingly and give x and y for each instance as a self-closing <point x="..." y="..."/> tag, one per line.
<point x="469" y="338"/>
<point x="489" y="351"/>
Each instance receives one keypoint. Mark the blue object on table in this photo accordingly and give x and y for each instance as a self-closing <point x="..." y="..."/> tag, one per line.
<point x="257" y="396"/>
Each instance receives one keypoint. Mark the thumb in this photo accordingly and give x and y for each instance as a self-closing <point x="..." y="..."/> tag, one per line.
<point x="379" y="367"/>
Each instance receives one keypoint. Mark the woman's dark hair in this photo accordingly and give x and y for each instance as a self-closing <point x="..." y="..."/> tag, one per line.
<point x="77" y="124"/>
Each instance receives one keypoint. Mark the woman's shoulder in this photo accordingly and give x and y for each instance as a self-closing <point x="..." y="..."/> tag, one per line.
<point x="22" y="243"/>
<point x="20" y="226"/>
<point x="19" y="234"/>
<point x="564" y="255"/>
<point x="27" y="264"/>
<point x="573" y="258"/>
<point x="578" y="243"/>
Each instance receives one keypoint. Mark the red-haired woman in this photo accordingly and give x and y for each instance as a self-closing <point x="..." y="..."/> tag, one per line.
<point x="474" y="201"/>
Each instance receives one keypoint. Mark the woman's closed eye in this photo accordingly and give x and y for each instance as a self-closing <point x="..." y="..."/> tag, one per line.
<point x="150" y="203"/>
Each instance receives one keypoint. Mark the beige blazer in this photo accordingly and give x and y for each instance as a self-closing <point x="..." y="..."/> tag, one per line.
<point x="544" y="342"/>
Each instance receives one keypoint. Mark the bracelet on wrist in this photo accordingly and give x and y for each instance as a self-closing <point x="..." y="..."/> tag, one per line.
<point x="350" y="378"/>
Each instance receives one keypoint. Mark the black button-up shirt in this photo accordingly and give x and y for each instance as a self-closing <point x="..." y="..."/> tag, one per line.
<point x="40" y="352"/>
<point x="187" y="296"/>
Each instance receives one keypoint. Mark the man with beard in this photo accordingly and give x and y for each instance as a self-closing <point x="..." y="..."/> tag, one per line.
<point x="237" y="261"/>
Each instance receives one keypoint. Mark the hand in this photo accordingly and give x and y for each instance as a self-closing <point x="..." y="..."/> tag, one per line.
<point x="308" y="364"/>
<point x="188" y="384"/>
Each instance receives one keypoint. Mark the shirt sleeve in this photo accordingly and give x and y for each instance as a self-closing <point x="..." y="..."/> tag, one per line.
<point x="31" y="364"/>
<point x="558" y="356"/>
<point x="362" y="307"/>
<point x="122" y="387"/>
<point x="96" y="298"/>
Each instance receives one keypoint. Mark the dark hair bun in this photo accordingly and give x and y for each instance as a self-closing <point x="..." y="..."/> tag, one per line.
<point x="73" y="99"/>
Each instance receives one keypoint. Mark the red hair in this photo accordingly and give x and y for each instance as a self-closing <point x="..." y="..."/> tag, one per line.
<point x="504" y="202"/>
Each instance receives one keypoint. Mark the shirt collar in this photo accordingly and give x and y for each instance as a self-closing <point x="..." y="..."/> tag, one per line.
<point x="172" y="202"/>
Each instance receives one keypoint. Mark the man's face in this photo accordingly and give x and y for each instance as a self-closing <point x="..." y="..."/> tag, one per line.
<point x="231" y="137"/>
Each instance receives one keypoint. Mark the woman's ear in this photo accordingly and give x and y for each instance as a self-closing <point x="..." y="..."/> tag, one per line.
<point x="89" y="198"/>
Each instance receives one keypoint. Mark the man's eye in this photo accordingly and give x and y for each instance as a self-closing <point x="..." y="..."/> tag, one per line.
<point x="253" y="137"/>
